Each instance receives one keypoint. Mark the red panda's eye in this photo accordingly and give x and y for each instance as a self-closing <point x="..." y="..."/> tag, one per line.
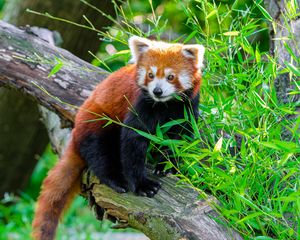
<point x="150" y="75"/>
<point x="170" y="77"/>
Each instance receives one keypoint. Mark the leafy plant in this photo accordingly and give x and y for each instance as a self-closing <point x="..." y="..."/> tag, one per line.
<point x="238" y="154"/>
<point x="244" y="160"/>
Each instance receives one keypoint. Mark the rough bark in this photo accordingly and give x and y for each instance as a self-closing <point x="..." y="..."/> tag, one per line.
<point x="26" y="61"/>
<point x="174" y="213"/>
<point x="75" y="39"/>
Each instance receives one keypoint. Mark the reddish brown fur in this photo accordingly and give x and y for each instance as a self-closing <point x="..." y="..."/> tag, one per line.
<point x="196" y="82"/>
<point x="62" y="182"/>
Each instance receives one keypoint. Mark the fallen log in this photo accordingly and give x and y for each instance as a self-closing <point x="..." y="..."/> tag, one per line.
<point x="176" y="212"/>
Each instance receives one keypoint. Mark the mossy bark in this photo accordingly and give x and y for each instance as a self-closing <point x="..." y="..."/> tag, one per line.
<point x="176" y="212"/>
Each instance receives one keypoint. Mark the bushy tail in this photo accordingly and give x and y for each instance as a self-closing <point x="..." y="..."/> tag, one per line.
<point x="58" y="190"/>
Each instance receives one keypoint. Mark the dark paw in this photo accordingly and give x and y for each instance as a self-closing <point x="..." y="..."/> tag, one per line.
<point x="118" y="186"/>
<point x="160" y="173"/>
<point x="148" y="188"/>
<point x="159" y="170"/>
<point x="119" y="189"/>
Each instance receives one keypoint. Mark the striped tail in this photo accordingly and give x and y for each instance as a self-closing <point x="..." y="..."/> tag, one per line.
<point x="58" y="190"/>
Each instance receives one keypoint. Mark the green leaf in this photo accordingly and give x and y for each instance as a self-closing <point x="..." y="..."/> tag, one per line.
<point x="263" y="238"/>
<point x="287" y="146"/>
<point x="232" y="33"/>
<point x="212" y="13"/>
<point x="56" y="68"/>
<point x="284" y="159"/>
<point x="257" y="55"/>
<point x="264" y="12"/>
<point x="248" y="202"/>
<point x="173" y="123"/>
<point x="158" y="131"/>
<point x="291" y="52"/>
<point x="122" y="52"/>
<point x="293" y="69"/>
<point x="240" y="86"/>
<point x="270" y="145"/>
<point x="185" y="114"/>
<point x="195" y="127"/>
<point x="169" y="142"/>
<point x="250" y="216"/>
<point x="107" y="124"/>
<point x="261" y="101"/>
<point x="218" y="145"/>
<point x="148" y="136"/>
<point x="190" y="36"/>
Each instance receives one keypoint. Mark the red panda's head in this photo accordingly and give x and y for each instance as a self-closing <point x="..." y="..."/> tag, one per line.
<point x="165" y="69"/>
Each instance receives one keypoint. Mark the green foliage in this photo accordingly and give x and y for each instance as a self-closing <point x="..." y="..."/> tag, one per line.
<point x="1" y="4"/>
<point x="45" y="163"/>
<point x="239" y="154"/>
<point x="16" y="215"/>
<point x="16" y="212"/>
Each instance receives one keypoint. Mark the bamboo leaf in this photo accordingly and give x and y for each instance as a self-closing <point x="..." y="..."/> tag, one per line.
<point x="218" y="145"/>
<point x="56" y="68"/>
<point x="232" y="33"/>
<point x="212" y="13"/>
<point x="293" y="69"/>
<point x="264" y="12"/>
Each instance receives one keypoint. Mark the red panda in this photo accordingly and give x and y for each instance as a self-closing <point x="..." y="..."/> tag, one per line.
<point x="159" y="72"/>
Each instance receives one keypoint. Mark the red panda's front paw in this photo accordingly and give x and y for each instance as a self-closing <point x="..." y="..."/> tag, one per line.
<point x="147" y="188"/>
<point x="161" y="172"/>
<point x="117" y="185"/>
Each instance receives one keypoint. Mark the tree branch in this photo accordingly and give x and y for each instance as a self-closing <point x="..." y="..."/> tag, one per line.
<point x="26" y="62"/>
<point x="174" y="213"/>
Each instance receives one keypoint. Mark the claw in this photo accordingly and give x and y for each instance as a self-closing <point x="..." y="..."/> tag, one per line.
<point x="150" y="194"/>
<point x="143" y="194"/>
<point x="147" y="188"/>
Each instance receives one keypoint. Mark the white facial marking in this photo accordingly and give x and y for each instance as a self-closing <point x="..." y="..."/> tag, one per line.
<point x="167" y="88"/>
<point x="141" y="75"/>
<point x="154" y="70"/>
<point x="185" y="80"/>
<point x="168" y="71"/>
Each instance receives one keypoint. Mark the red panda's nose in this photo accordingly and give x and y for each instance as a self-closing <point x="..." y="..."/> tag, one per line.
<point x="157" y="91"/>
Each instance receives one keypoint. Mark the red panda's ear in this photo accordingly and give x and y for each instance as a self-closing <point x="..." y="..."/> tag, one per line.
<point x="195" y="51"/>
<point x="137" y="46"/>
